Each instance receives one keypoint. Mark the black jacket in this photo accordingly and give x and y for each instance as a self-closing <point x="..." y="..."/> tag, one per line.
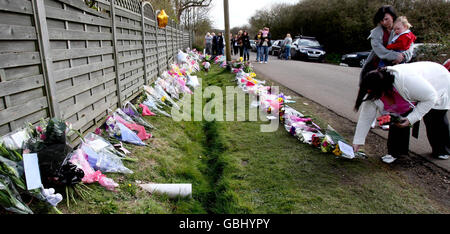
<point x="246" y="41"/>
<point x="214" y="42"/>
<point x="219" y="41"/>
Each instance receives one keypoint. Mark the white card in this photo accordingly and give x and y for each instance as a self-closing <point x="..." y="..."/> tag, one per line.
<point x="97" y="145"/>
<point x="32" y="173"/>
<point x="347" y="150"/>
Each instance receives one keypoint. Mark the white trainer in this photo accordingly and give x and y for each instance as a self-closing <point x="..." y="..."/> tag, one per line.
<point x="443" y="157"/>
<point x="388" y="159"/>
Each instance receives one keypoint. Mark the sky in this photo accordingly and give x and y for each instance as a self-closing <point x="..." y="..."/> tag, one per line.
<point x="240" y="11"/>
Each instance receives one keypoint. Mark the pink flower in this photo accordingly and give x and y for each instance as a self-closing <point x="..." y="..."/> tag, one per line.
<point x="38" y="129"/>
<point x="98" y="131"/>
<point x="43" y="137"/>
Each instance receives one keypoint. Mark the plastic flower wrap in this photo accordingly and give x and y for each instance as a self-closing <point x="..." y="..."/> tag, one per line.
<point x="102" y="155"/>
<point x="146" y="111"/>
<point x="150" y="103"/>
<point x="193" y="82"/>
<point x="10" y="198"/>
<point x="164" y="96"/>
<point x="121" y="132"/>
<point x="223" y="64"/>
<point x="80" y="159"/>
<point x="131" y="111"/>
<point x="16" y="139"/>
<point x="141" y="133"/>
<point x="327" y="144"/>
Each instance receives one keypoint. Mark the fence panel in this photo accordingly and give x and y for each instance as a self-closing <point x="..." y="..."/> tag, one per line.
<point x="81" y="44"/>
<point x="60" y="58"/>
<point x="130" y="51"/>
<point x="23" y="95"/>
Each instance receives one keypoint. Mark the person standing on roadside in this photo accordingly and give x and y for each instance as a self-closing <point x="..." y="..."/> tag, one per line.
<point x="240" y="44"/>
<point x="208" y="43"/>
<point x="234" y="44"/>
<point x="220" y="44"/>
<point x="258" y="47"/>
<point x="265" y="44"/>
<point x="214" y="45"/>
<point x="246" y="45"/>
<point x="287" y="43"/>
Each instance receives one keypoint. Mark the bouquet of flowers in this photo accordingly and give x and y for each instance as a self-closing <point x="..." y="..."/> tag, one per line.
<point x="10" y="198"/>
<point x="52" y="150"/>
<point x="131" y="111"/>
<point x="102" y="156"/>
<point x="79" y="158"/>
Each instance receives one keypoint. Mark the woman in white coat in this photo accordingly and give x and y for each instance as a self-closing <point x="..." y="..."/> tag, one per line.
<point x="413" y="91"/>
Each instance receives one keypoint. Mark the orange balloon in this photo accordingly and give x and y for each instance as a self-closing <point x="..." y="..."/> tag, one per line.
<point x="163" y="19"/>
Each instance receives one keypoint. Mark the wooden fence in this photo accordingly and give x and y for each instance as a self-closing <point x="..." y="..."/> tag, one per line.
<point x="60" y="58"/>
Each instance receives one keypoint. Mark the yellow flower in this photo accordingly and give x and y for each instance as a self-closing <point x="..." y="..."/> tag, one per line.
<point x="129" y="185"/>
<point x="241" y="59"/>
<point x="253" y="74"/>
<point x="337" y="151"/>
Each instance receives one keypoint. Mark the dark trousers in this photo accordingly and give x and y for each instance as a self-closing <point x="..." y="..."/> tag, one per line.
<point x="241" y="51"/>
<point x="246" y="54"/>
<point x="438" y="132"/>
<point x="436" y="123"/>
<point x="235" y="50"/>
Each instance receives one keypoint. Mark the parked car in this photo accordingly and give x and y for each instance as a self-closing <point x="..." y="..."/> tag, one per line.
<point x="276" y="48"/>
<point x="421" y="50"/>
<point x="356" y="59"/>
<point x="271" y="44"/>
<point x="307" y="48"/>
<point x="253" y="45"/>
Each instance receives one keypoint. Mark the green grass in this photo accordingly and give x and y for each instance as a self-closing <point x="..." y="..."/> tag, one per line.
<point x="235" y="168"/>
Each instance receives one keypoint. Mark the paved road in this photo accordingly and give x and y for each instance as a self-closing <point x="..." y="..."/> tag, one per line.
<point x="335" y="87"/>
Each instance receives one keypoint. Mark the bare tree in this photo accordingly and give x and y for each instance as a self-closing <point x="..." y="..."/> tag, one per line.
<point x="182" y="5"/>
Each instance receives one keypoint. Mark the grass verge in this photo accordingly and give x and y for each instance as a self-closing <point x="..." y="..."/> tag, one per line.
<point x="236" y="168"/>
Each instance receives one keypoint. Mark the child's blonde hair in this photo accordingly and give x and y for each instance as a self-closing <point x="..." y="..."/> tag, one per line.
<point x="404" y="21"/>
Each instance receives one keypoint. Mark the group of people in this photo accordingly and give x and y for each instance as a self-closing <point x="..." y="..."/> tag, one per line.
<point x="412" y="91"/>
<point x="214" y="44"/>
<point x="240" y="44"/>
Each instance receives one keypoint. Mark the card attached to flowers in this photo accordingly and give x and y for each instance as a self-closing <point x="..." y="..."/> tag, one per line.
<point x="347" y="150"/>
<point x="32" y="173"/>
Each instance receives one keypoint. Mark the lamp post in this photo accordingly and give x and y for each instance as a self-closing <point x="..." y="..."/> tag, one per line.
<point x="227" y="33"/>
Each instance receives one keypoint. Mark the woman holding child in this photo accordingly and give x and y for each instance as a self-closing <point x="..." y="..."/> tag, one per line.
<point x="380" y="37"/>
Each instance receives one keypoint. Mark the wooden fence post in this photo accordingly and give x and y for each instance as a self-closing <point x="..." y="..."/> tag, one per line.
<point x="157" y="46"/>
<point x="166" y="47"/>
<point x="116" y="53"/>
<point x="44" y="50"/>
<point x="171" y="36"/>
<point x="143" y="43"/>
